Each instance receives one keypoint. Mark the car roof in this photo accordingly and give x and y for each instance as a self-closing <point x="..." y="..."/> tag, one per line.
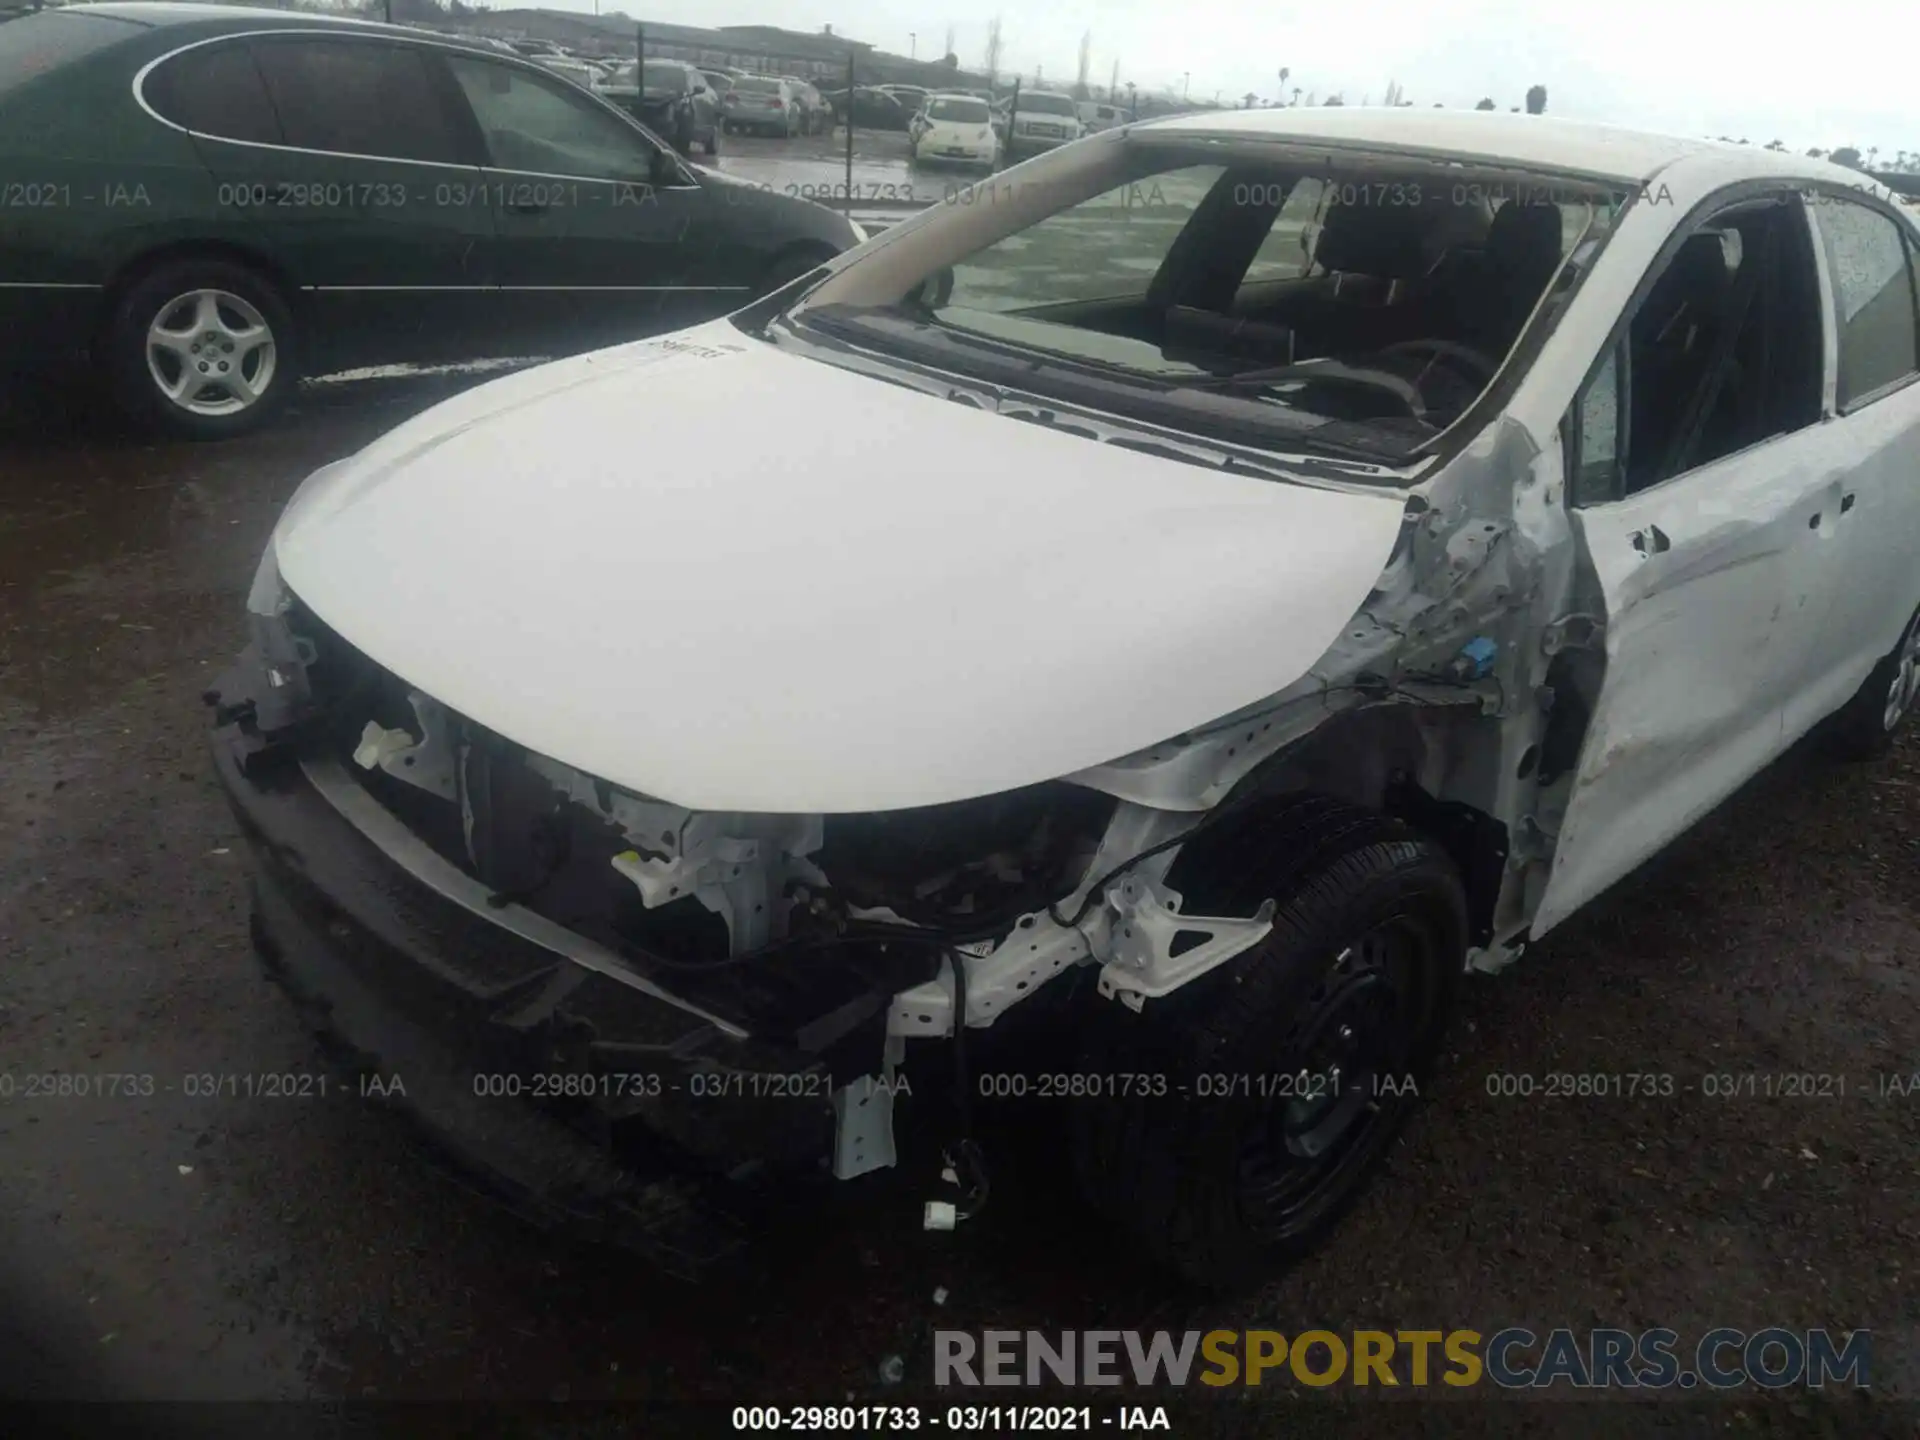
<point x="184" y="12"/>
<point x="1534" y="142"/>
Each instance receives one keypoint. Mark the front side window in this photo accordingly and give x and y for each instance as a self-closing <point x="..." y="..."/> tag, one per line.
<point x="1722" y="352"/>
<point x="1871" y="276"/>
<point x="1596" y="461"/>
<point x="533" y="125"/>
<point x="358" y="97"/>
<point x="216" y="90"/>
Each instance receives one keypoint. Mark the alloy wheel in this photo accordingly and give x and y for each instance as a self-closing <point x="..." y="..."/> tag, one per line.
<point x="211" y="352"/>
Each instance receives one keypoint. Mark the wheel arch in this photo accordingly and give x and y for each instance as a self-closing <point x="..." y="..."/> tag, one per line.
<point x="1419" y="765"/>
<point x="135" y="269"/>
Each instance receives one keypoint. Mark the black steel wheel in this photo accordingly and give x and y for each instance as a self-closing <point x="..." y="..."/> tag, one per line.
<point x="1290" y="1069"/>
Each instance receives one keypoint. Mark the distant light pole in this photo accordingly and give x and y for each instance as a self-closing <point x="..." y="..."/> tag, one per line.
<point x="1185" y="77"/>
<point x="913" y="46"/>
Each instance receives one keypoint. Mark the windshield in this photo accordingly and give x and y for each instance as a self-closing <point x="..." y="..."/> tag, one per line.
<point x="1047" y="105"/>
<point x="670" y="79"/>
<point x="1243" y="289"/>
<point x="965" y="112"/>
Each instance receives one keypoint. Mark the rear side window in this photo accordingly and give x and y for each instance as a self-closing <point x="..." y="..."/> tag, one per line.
<point x="358" y="98"/>
<point x="1872" y="275"/>
<point x="215" y="90"/>
<point x="35" y="44"/>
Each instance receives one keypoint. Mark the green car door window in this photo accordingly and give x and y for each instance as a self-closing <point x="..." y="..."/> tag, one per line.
<point x="532" y="124"/>
<point x="358" y="97"/>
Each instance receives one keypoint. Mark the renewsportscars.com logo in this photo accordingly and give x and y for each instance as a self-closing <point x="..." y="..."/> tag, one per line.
<point x="1512" y="1358"/>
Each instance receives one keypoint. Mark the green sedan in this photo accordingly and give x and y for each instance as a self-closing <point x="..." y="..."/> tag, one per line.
<point x="200" y="203"/>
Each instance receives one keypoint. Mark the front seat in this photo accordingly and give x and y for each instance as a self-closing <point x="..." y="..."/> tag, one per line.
<point x="1522" y="253"/>
<point x="1377" y="257"/>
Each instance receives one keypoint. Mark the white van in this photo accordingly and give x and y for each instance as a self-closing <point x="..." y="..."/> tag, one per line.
<point x="1095" y="116"/>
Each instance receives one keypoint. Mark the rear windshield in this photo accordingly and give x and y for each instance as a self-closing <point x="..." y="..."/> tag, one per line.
<point x="970" y="112"/>
<point x="666" y="77"/>
<point x="35" y="44"/>
<point x="1048" y="105"/>
<point x="754" y="85"/>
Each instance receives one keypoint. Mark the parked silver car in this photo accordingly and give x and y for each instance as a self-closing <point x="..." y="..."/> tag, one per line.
<point x="763" y="104"/>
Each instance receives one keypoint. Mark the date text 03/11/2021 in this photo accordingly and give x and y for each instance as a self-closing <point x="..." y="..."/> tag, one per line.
<point x="957" y="1419"/>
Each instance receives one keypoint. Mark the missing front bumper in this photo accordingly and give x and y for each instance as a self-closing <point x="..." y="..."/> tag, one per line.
<point x="585" y="1101"/>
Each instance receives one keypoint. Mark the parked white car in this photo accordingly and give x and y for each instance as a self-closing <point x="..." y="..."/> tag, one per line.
<point x="1325" y="565"/>
<point x="1040" y="120"/>
<point x="1096" y="116"/>
<point x="954" y="129"/>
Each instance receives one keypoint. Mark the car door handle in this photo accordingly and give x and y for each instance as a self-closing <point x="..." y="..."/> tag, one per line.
<point x="1651" y="541"/>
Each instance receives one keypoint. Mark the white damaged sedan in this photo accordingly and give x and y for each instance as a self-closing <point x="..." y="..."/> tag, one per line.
<point x="1259" y="567"/>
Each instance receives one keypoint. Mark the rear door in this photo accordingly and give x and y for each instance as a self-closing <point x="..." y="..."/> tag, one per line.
<point x="353" y="198"/>
<point x="1872" y="263"/>
<point x="602" y="235"/>
<point x="1705" y="493"/>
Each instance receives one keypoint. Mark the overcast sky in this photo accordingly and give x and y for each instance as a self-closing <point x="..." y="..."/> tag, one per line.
<point x="1805" y="74"/>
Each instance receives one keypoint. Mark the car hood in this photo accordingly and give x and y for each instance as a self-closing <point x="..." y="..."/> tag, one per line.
<point x="726" y="576"/>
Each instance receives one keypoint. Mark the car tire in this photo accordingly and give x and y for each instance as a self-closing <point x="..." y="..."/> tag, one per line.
<point x="1863" y="728"/>
<point x="218" y="305"/>
<point x="1369" y="938"/>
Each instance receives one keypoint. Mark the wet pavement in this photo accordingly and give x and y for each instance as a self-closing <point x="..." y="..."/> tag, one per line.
<point x="816" y="167"/>
<point x="214" y="1246"/>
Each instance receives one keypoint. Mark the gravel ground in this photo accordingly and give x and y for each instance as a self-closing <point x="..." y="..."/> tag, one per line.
<point x="167" y="1247"/>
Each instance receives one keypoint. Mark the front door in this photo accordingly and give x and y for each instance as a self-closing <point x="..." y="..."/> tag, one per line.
<point x="602" y="234"/>
<point x="1706" y="497"/>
